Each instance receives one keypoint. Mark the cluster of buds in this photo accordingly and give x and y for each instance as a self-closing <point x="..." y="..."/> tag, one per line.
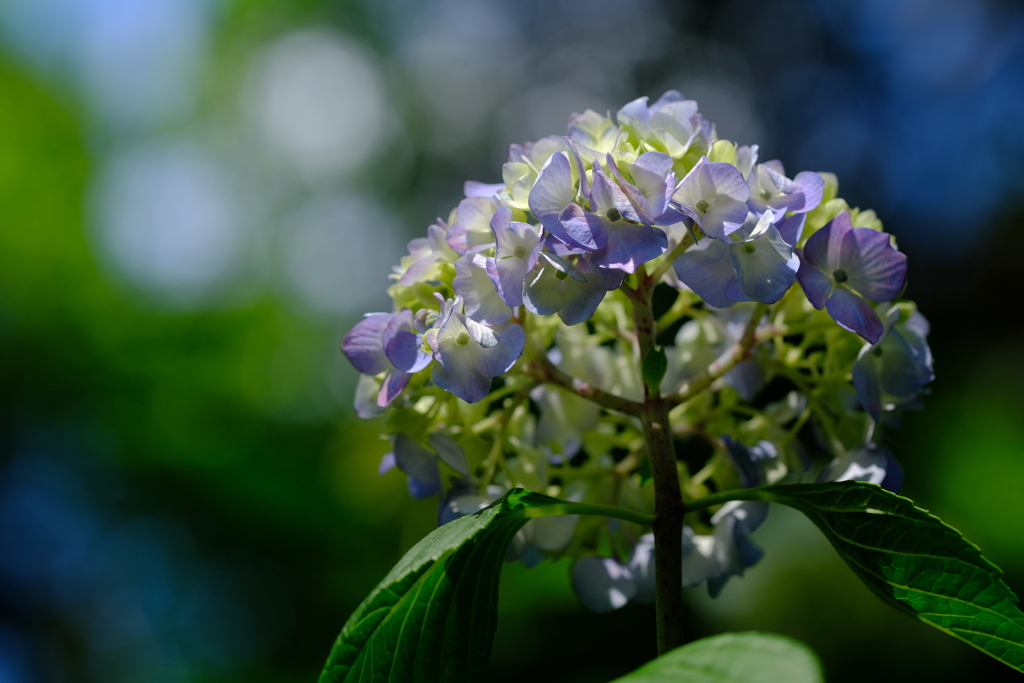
<point x="518" y="353"/>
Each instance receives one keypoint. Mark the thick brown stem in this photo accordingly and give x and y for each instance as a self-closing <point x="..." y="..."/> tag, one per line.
<point x="668" y="500"/>
<point x="668" y="528"/>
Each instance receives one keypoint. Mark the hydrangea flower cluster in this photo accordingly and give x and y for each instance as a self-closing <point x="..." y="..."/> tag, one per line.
<point x="634" y="262"/>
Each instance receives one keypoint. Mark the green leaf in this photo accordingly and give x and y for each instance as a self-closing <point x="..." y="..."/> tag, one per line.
<point x="910" y="559"/>
<point x="433" y="616"/>
<point x="654" y="366"/>
<point x="733" y="658"/>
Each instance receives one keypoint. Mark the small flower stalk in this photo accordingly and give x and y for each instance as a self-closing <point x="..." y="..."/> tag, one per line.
<point x="641" y="314"/>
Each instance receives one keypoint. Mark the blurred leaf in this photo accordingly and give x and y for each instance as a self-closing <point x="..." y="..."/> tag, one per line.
<point x="910" y="559"/>
<point x="433" y="617"/>
<point x="731" y="658"/>
<point x="654" y="366"/>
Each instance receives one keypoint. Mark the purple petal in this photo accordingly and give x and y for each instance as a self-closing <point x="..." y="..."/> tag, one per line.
<point x="606" y="195"/>
<point x="751" y="462"/>
<point x="473" y="188"/>
<point x="817" y="286"/>
<point x="650" y="169"/>
<point x="363" y="345"/>
<point x="824" y="248"/>
<point x="792" y="227"/>
<point x="419" y="489"/>
<point x="462" y="380"/>
<point x="387" y="463"/>
<point x="867" y="384"/>
<point x="714" y="194"/>
<point x="733" y="291"/>
<point x="580" y="170"/>
<point x="723" y="217"/>
<point x="903" y="370"/>
<point x="854" y="314"/>
<point x="457" y="238"/>
<point x="403" y="345"/>
<point x="747" y="379"/>
<point x="720" y="178"/>
<point x="812" y="188"/>
<point x="508" y="275"/>
<point x="629" y="245"/>
<point x="655" y="182"/>
<point x="874" y="268"/>
<point x="394" y="383"/>
<point x="707" y="270"/>
<point x="579" y="228"/>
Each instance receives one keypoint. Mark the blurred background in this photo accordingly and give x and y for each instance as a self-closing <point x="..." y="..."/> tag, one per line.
<point x="199" y="197"/>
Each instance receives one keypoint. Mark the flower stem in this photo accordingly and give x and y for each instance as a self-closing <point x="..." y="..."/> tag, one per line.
<point x="733" y="356"/>
<point x="543" y="370"/>
<point x="668" y="501"/>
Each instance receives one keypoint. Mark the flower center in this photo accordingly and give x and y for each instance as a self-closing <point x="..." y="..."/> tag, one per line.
<point x="749" y="247"/>
<point x="840" y="276"/>
<point x="560" y="275"/>
<point x="703" y="206"/>
<point x="766" y="195"/>
<point x="519" y="251"/>
<point x="462" y="339"/>
<point x="613" y="214"/>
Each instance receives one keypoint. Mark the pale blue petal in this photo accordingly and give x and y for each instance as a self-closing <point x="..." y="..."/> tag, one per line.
<point x="415" y="459"/>
<point x="641" y="566"/>
<point x="871" y="463"/>
<point x="365" y="403"/>
<point x="553" y="190"/>
<point x="766" y="267"/>
<point x="543" y="292"/>
<point x="707" y="270"/>
<point x="582" y="298"/>
<point x="602" y="584"/>
<point x="450" y="452"/>
<point x="498" y="358"/>
<point x="480" y="296"/>
<point x="473" y="188"/>
<point x="462" y="380"/>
